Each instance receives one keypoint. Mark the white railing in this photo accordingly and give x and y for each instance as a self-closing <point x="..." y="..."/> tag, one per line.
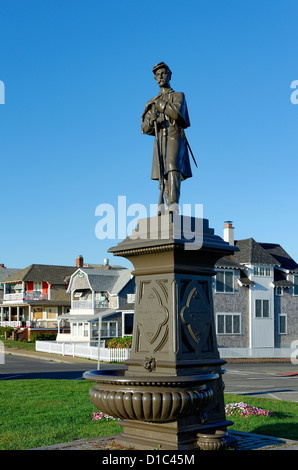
<point x="10" y="324"/>
<point x="15" y="296"/>
<point x="83" y="350"/>
<point x="256" y="353"/>
<point x="36" y="295"/>
<point x="88" y="304"/>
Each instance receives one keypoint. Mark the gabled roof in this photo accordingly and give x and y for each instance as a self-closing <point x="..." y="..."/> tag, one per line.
<point x="42" y="272"/>
<point x="257" y="253"/>
<point x="251" y="252"/>
<point x="112" y="281"/>
<point x="282" y="257"/>
<point x="6" y="272"/>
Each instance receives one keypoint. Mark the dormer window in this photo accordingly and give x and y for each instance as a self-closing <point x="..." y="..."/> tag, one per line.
<point x="262" y="271"/>
<point x="279" y="291"/>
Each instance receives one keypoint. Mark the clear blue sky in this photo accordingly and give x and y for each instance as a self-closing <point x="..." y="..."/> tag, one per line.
<point x="77" y="75"/>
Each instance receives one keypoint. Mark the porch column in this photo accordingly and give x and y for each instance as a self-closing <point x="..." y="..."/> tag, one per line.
<point x="29" y="308"/>
<point x="2" y="313"/>
<point x="9" y="314"/>
<point x="18" y="314"/>
<point x="93" y="299"/>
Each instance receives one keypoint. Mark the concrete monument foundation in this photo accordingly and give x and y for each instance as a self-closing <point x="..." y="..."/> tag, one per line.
<point x="171" y="395"/>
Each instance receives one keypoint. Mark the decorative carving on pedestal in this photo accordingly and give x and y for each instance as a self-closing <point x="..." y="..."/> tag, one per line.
<point x="197" y="317"/>
<point x="153" y="315"/>
<point x="171" y="393"/>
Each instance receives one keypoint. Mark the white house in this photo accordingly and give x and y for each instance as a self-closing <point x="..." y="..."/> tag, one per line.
<point x="102" y="301"/>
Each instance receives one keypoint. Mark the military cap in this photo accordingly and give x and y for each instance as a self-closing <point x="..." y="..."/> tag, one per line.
<point x="159" y="66"/>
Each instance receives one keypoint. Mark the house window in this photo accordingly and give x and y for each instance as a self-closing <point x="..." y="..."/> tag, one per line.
<point x="51" y="313"/>
<point x="279" y="291"/>
<point x="94" y="329"/>
<point x="224" y="281"/>
<point x="295" y="285"/>
<point x="262" y="308"/>
<point x="228" y="323"/>
<point x="38" y="286"/>
<point x="80" y="330"/>
<point x="261" y="271"/>
<point x="282" y="323"/>
<point x="109" y="329"/>
<point x="128" y="323"/>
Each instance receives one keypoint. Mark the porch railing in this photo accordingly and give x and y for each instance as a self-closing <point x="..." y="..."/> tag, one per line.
<point x="35" y="295"/>
<point x="77" y="304"/>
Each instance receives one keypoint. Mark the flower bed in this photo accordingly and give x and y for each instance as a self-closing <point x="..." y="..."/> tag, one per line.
<point x="102" y="416"/>
<point x="245" y="410"/>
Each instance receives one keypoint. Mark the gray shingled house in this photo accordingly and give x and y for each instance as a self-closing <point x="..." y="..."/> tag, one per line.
<point x="256" y="296"/>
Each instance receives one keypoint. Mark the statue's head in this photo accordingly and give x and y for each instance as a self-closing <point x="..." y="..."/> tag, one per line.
<point x="162" y="73"/>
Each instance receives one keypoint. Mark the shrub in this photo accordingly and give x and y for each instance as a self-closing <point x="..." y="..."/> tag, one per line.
<point x="124" y="342"/>
<point x="6" y="329"/>
<point x="42" y="337"/>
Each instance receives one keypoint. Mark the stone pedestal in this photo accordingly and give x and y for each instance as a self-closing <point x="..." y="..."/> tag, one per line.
<point x="172" y="391"/>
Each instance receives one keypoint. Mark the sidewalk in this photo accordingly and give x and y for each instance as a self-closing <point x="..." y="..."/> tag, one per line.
<point x="50" y="356"/>
<point x="245" y="441"/>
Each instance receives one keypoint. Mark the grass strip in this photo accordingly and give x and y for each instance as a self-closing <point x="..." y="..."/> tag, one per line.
<point x="40" y="412"/>
<point x="37" y="413"/>
<point x="283" y="423"/>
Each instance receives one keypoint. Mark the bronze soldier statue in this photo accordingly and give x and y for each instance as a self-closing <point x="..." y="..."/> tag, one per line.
<point x="166" y="117"/>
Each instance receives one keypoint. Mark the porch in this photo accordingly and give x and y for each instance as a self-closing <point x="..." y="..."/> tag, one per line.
<point x="32" y="315"/>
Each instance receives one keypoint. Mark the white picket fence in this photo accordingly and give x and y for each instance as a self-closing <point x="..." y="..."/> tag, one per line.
<point x="259" y="353"/>
<point x="122" y="354"/>
<point x="83" y="350"/>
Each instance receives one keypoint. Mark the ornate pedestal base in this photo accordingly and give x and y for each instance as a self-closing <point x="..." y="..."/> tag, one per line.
<point x="172" y="389"/>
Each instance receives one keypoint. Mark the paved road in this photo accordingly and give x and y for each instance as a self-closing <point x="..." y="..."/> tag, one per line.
<point x="22" y="367"/>
<point x="277" y="381"/>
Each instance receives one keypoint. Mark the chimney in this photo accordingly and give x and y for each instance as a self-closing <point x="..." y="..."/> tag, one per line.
<point x="228" y="232"/>
<point x="106" y="262"/>
<point x="79" y="261"/>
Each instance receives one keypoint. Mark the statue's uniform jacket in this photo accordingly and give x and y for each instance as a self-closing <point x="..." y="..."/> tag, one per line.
<point x="173" y="117"/>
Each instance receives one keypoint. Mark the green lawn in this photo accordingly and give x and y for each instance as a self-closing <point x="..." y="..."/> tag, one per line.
<point x="36" y="413"/>
<point x="283" y="423"/>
